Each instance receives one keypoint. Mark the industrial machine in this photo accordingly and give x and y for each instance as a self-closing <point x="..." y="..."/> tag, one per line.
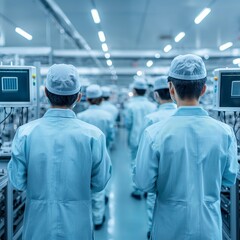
<point x="227" y="89"/>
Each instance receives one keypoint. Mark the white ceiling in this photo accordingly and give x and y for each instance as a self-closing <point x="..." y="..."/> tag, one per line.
<point x="133" y="27"/>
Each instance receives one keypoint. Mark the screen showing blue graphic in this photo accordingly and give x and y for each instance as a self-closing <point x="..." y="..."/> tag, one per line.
<point x="230" y="89"/>
<point x="14" y="85"/>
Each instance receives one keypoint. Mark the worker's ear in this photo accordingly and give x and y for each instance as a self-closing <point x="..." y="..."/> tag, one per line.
<point x="171" y="89"/>
<point x="156" y="96"/>
<point x="45" y="91"/>
<point x="79" y="97"/>
<point x="204" y="89"/>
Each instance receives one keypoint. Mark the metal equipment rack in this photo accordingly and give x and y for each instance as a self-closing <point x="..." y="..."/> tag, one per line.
<point x="12" y="204"/>
<point x="230" y="208"/>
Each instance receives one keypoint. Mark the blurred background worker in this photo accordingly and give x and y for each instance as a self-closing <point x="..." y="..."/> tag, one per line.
<point x="59" y="160"/>
<point x="166" y="109"/>
<point x="107" y="105"/>
<point x="176" y="156"/>
<point x="136" y="110"/>
<point x="113" y="110"/>
<point x="104" y="121"/>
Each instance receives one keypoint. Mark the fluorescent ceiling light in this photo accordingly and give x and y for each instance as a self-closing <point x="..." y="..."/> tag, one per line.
<point x="109" y="62"/>
<point x="149" y="63"/>
<point x="104" y="47"/>
<point x="139" y="73"/>
<point x="101" y="36"/>
<point x="167" y="48"/>
<point x="130" y="94"/>
<point x="236" y="61"/>
<point x="107" y="55"/>
<point x="95" y="16"/>
<point x="202" y="15"/>
<point x="23" y="33"/>
<point x="157" y="55"/>
<point x="225" y="46"/>
<point x="179" y="37"/>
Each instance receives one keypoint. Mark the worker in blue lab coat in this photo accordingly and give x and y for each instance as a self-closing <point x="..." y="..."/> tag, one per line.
<point x="104" y="121"/>
<point x="137" y="108"/>
<point x="107" y="105"/>
<point x="186" y="159"/>
<point x="59" y="160"/>
<point x="166" y="109"/>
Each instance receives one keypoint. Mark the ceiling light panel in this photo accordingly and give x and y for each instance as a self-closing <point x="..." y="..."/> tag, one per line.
<point x="101" y="36"/>
<point x="225" y="46"/>
<point x="95" y="16"/>
<point x="179" y="37"/>
<point x="23" y="33"/>
<point x="202" y="15"/>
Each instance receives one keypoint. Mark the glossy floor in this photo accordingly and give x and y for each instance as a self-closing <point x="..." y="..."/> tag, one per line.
<point x="126" y="217"/>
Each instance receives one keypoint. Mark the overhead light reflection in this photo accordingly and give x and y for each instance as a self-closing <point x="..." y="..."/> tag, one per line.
<point x="167" y="48"/>
<point x="104" y="47"/>
<point x="225" y="46"/>
<point x="23" y="33"/>
<point x="109" y="62"/>
<point x="101" y="36"/>
<point x="236" y="61"/>
<point x="95" y="16"/>
<point x="149" y="63"/>
<point x="202" y="15"/>
<point x="179" y="37"/>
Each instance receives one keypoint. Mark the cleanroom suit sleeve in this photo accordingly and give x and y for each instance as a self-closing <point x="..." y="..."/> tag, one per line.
<point x="145" y="174"/>
<point x="111" y="133"/>
<point x="17" y="167"/>
<point x="128" y="120"/>
<point x="231" y="169"/>
<point x="101" y="165"/>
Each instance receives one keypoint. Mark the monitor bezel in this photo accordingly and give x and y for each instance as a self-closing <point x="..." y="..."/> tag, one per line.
<point x="32" y="88"/>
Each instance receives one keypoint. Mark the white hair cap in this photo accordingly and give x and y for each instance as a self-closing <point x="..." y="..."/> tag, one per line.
<point x="63" y="79"/>
<point x="106" y="92"/>
<point x="161" y="83"/>
<point x="93" y="91"/>
<point x="140" y="84"/>
<point x="187" y="67"/>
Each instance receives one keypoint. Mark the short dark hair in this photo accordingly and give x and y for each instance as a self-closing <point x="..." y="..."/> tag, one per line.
<point x="163" y="93"/>
<point x="188" y="89"/>
<point x="60" y="100"/>
<point x="140" y="92"/>
<point x="95" y="101"/>
<point x="106" y="98"/>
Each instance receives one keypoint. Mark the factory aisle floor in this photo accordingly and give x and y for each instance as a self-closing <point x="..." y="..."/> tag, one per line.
<point x="126" y="217"/>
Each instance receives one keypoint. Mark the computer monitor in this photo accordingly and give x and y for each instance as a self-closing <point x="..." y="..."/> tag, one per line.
<point x="18" y="86"/>
<point x="227" y="89"/>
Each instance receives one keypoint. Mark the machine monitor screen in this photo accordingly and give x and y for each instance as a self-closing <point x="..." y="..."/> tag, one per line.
<point x="230" y="89"/>
<point x="14" y="85"/>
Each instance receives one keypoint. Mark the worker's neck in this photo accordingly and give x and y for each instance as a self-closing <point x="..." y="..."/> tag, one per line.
<point x="61" y="107"/>
<point x="187" y="103"/>
<point x="165" y="101"/>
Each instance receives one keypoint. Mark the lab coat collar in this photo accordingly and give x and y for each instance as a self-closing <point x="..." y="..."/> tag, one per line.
<point x="58" y="112"/>
<point x="168" y="106"/>
<point x="94" y="106"/>
<point x="140" y="98"/>
<point x="191" y="111"/>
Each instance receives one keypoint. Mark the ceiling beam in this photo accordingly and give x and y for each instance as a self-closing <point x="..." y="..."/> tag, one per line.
<point x="64" y="22"/>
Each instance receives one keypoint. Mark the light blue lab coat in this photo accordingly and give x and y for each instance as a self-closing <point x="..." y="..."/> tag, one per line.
<point x="185" y="160"/>
<point x="110" y="108"/>
<point x="100" y="118"/>
<point x="137" y="108"/>
<point x="164" y="111"/>
<point x="59" y="160"/>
